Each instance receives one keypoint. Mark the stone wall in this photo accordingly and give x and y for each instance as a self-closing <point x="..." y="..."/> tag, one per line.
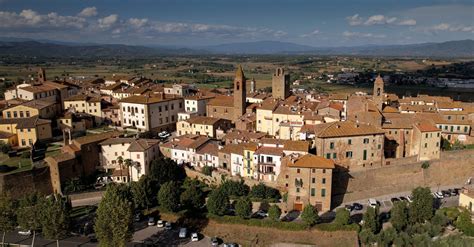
<point x="22" y="183"/>
<point x="454" y="168"/>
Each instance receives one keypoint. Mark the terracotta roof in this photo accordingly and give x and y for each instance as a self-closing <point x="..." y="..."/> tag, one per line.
<point x="38" y="104"/>
<point x="346" y="128"/>
<point x="199" y="97"/>
<point x="426" y="126"/>
<point x="243" y="135"/>
<point x="209" y="148"/>
<point x="97" y="137"/>
<point x="147" y="99"/>
<point x="83" y="97"/>
<point x="270" y="150"/>
<point x="309" y="161"/>
<point x="22" y="123"/>
<point x="390" y="109"/>
<point x="222" y="100"/>
<point x="203" y="120"/>
<point x="117" y="140"/>
<point x="114" y="86"/>
<point x="5" y="135"/>
<point x="141" y="145"/>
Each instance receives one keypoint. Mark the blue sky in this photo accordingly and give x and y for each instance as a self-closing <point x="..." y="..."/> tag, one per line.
<point x="204" y="22"/>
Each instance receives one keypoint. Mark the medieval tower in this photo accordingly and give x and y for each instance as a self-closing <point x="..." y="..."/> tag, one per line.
<point x="41" y="75"/>
<point x="378" y="95"/>
<point x="280" y="84"/>
<point x="240" y="93"/>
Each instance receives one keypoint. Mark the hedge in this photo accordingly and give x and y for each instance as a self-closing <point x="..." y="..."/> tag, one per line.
<point x="292" y="226"/>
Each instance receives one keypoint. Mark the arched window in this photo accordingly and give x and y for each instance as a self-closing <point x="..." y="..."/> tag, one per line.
<point x="378" y="91"/>
<point x="238" y="86"/>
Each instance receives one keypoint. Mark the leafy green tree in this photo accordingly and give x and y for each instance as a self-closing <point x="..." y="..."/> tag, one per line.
<point x="218" y="202"/>
<point x="114" y="220"/>
<point x="386" y="237"/>
<point x="261" y="191"/>
<point x="169" y="195"/>
<point x="440" y="219"/>
<point x="7" y="215"/>
<point x="343" y="217"/>
<point x="421" y="209"/>
<point x="243" y="207"/>
<point x="366" y="236"/>
<point x="274" y="212"/>
<point x="235" y="188"/>
<point x="402" y="240"/>
<point x="55" y="221"/>
<point x="399" y="215"/>
<point x="310" y="215"/>
<point x="371" y="221"/>
<point x="163" y="170"/>
<point x="464" y="223"/>
<point x="29" y="214"/>
<point x="425" y="165"/>
<point x="422" y="240"/>
<point x="192" y="196"/>
<point x="5" y="147"/>
<point x="144" y="193"/>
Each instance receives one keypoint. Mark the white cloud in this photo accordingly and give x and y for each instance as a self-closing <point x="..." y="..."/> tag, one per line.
<point x="88" y="12"/>
<point x="313" y="33"/>
<point x="407" y="22"/>
<point x="108" y="21"/>
<point x="354" y="20"/>
<point x="30" y="16"/>
<point x="135" y="22"/>
<point x="363" y="35"/>
<point x="451" y="28"/>
<point x="31" y="19"/>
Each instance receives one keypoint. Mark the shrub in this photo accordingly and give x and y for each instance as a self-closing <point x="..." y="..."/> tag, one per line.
<point x="291" y="226"/>
<point x="218" y="202"/>
<point x="207" y="170"/>
<point x="243" y="208"/>
<point x="261" y="191"/>
<point x="234" y="188"/>
<point x="343" y="217"/>
<point x="25" y="155"/>
<point x="5" y="147"/>
<point x="425" y="165"/>
<point x="366" y="236"/>
<point x="310" y="215"/>
<point x="274" y="213"/>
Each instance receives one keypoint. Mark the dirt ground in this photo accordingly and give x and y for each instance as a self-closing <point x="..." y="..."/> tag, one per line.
<point x="259" y="236"/>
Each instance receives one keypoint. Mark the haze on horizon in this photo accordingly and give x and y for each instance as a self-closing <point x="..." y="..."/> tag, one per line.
<point x="206" y="22"/>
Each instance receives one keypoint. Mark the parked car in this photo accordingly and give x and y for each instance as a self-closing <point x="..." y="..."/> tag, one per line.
<point x="409" y="198"/>
<point x="453" y="192"/>
<point x="151" y="221"/>
<point x="373" y="203"/>
<point x="446" y="193"/>
<point x="394" y="199"/>
<point x="214" y="241"/>
<point x="164" y="134"/>
<point x="168" y="226"/>
<point x="194" y="237"/>
<point x="261" y="213"/>
<point x="357" y="206"/>
<point x="183" y="232"/>
<point x="24" y="232"/>
<point x="348" y="207"/>
<point x="402" y="198"/>
<point x="439" y="195"/>
<point x="160" y="223"/>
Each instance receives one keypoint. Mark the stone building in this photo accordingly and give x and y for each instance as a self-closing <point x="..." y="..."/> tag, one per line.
<point x="280" y="84"/>
<point x="308" y="180"/>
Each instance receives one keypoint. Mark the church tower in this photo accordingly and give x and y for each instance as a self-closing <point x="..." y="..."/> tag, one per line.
<point x="41" y="75"/>
<point x="378" y="95"/>
<point x="240" y="93"/>
<point x="280" y="84"/>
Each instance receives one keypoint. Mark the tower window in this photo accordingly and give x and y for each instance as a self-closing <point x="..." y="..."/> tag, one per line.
<point x="378" y="91"/>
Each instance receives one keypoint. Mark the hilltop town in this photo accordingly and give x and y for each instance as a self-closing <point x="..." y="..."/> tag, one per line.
<point x="302" y="144"/>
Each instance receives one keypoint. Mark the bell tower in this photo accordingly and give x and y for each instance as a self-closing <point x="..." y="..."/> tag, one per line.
<point x="41" y="75"/>
<point x="240" y="93"/>
<point x="378" y="94"/>
<point x="280" y="84"/>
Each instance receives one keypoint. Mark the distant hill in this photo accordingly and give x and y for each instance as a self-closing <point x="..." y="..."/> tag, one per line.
<point x="46" y="48"/>
<point x="42" y="49"/>
<point x="258" y="47"/>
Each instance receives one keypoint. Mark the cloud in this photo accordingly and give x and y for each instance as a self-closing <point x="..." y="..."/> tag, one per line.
<point x="363" y="35"/>
<point x="313" y="33"/>
<point x="107" y="21"/>
<point x="31" y="19"/>
<point x="451" y="28"/>
<point x="356" y="20"/>
<point x="135" y="22"/>
<point x="88" y="12"/>
<point x="407" y="22"/>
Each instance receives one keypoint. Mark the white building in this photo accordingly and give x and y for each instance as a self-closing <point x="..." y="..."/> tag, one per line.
<point x="140" y="153"/>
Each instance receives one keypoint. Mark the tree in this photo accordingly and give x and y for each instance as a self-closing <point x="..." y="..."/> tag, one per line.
<point x="421" y="209"/>
<point x="425" y="165"/>
<point x="114" y="220"/>
<point x="5" y="147"/>
<point x="218" y="202"/>
<point x="399" y="215"/>
<point x="310" y="215"/>
<point x="164" y="170"/>
<point x="207" y="170"/>
<point x="7" y="216"/>
<point x="366" y="236"/>
<point x="55" y="217"/>
<point x="243" y="207"/>
<point x="343" y="217"/>
<point x="192" y="196"/>
<point x="168" y="196"/>
<point x="235" y="188"/>
<point x="261" y="191"/>
<point x="274" y="212"/>
<point x="371" y="221"/>
<point x="29" y="214"/>
<point x="144" y="192"/>
<point x="128" y="163"/>
<point x="464" y="223"/>
<point x="386" y="237"/>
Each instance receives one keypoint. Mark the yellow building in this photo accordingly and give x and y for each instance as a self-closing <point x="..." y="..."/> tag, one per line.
<point x="85" y="104"/>
<point x="466" y="199"/>
<point x="26" y="130"/>
<point x="32" y="108"/>
<point x="200" y="125"/>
